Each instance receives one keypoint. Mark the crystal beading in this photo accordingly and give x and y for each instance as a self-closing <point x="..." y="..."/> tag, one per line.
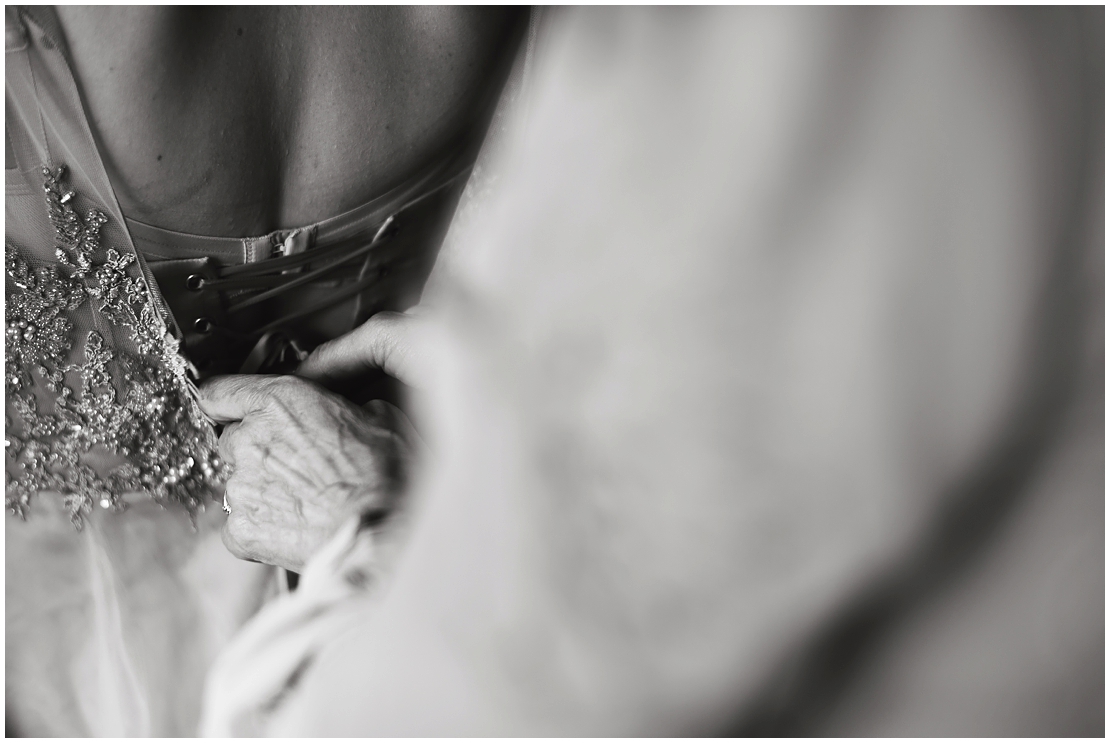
<point x="135" y="408"/>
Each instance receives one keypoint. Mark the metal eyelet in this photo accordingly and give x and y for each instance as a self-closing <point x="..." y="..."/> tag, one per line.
<point x="202" y="325"/>
<point x="194" y="282"/>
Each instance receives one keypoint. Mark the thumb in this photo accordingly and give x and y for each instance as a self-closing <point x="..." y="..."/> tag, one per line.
<point x="390" y="341"/>
<point x="233" y="397"/>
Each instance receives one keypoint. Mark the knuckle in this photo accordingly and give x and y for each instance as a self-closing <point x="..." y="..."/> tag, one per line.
<point x="231" y="538"/>
<point x="280" y="392"/>
<point x="325" y="351"/>
<point x="237" y="494"/>
<point x="240" y="536"/>
<point x="285" y="384"/>
<point x="229" y="441"/>
<point x="244" y="445"/>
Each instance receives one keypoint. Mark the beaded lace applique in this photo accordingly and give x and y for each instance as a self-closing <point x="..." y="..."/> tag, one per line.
<point x="121" y="422"/>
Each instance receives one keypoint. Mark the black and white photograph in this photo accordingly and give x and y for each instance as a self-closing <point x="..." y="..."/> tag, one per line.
<point x="554" y="372"/>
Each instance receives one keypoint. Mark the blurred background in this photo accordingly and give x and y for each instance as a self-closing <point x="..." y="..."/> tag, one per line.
<point x="818" y="295"/>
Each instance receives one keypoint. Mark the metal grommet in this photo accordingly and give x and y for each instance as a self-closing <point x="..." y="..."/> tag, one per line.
<point x="194" y="282"/>
<point x="202" y="325"/>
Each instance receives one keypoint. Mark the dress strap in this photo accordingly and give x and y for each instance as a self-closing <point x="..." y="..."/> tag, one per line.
<point x="46" y="117"/>
<point x="48" y="124"/>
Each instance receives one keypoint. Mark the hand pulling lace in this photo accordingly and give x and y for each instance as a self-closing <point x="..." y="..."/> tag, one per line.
<point x="139" y="407"/>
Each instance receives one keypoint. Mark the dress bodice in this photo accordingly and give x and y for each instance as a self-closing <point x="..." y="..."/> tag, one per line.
<point x="111" y="322"/>
<point x="111" y="627"/>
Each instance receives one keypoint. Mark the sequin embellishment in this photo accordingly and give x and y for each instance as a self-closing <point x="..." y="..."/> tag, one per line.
<point x="121" y="421"/>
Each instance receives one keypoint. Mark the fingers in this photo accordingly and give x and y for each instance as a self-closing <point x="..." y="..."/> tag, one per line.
<point x="226" y="445"/>
<point x="241" y="530"/>
<point x="232" y="536"/>
<point x="234" y="397"/>
<point x="252" y="533"/>
<point x="386" y="341"/>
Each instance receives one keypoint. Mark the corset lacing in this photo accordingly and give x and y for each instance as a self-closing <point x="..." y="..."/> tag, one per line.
<point x="274" y="348"/>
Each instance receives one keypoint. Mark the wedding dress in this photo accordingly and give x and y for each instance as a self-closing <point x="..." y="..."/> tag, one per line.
<point x="119" y="590"/>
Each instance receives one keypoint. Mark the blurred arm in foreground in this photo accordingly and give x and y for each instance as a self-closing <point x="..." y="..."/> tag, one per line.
<point x="772" y="315"/>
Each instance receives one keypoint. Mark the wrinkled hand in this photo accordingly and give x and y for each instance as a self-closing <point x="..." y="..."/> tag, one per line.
<point x="304" y="460"/>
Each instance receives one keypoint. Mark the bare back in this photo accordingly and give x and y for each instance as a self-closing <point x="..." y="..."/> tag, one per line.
<point x="235" y="121"/>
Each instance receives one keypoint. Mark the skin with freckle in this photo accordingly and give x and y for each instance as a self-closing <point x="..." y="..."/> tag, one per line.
<point x="236" y="121"/>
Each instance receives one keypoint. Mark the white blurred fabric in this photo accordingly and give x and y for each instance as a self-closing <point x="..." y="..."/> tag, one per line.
<point x="751" y="295"/>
